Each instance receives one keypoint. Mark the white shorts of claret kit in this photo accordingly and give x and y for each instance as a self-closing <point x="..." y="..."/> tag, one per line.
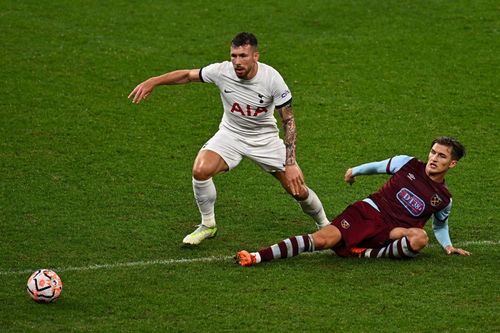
<point x="267" y="152"/>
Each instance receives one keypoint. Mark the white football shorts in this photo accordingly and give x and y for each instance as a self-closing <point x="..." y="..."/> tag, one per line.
<point x="267" y="152"/>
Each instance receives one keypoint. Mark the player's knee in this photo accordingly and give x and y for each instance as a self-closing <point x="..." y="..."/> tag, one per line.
<point x="319" y="242"/>
<point x="201" y="173"/>
<point x="418" y="239"/>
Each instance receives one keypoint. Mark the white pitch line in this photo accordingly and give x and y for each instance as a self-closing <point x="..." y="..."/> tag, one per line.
<point x="188" y="261"/>
<point x="123" y="264"/>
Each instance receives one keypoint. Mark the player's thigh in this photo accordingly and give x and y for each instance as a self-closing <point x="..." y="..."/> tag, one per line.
<point x="222" y="152"/>
<point x="207" y="164"/>
<point x="269" y="154"/>
<point x="270" y="157"/>
<point x="361" y="226"/>
<point x="327" y="237"/>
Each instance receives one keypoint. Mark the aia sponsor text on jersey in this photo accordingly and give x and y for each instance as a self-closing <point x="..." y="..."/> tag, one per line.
<point x="248" y="111"/>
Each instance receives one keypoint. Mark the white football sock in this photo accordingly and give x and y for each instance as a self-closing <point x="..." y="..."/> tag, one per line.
<point x="257" y="257"/>
<point x="205" y="195"/>
<point x="313" y="207"/>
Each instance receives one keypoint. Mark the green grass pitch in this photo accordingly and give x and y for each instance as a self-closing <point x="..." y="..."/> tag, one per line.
<point x="99" y="189"/>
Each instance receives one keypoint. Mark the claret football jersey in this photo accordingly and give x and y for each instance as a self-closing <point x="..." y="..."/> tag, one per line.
<point x="410" y="197"/>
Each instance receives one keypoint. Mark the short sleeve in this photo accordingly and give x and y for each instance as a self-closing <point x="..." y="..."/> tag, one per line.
<point x="281" y="92"/>
<point x="210" y="73"/>
<point x="397" y="162"/>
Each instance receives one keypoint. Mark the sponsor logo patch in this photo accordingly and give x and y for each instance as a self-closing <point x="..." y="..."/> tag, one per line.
<point x="345" y="224"/>
<point x="411" y="202"/>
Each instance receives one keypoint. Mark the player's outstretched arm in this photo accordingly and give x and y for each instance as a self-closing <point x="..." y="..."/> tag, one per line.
<point x="142" y="90"/>
<point x="374" y="168"/>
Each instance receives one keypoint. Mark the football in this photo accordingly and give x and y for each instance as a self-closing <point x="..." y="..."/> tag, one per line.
<point x="44" y="286"/>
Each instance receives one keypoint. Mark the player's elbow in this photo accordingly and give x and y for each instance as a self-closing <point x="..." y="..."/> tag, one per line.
<point x="193" y="75"/>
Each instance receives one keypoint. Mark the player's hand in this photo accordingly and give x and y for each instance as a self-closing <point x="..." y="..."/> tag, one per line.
<point x="294" y="178"/>
<point x="142" y="91"/>
<point x="453" y="250"/>
<point x="348" y="177"/>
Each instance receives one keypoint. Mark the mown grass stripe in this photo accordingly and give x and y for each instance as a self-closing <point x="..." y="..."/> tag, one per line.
<point x="194" y="260"/>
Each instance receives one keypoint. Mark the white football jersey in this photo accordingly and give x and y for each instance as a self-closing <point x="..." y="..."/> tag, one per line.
<point x="248" y="104"/>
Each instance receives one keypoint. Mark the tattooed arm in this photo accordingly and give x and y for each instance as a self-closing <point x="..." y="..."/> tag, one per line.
<point x="293" y="174"/>
<point x="290" y="132"/>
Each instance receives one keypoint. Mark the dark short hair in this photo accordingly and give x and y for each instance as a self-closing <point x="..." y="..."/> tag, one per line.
<point x="457" y="149"/>
<point x="244" y="38"/>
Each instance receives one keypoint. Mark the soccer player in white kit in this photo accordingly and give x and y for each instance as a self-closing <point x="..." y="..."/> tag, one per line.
<point x="250" y="91"/>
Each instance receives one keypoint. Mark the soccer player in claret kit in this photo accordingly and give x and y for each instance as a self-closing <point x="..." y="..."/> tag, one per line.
<point x="389" y="223"/>
<point x="250" y="91"/>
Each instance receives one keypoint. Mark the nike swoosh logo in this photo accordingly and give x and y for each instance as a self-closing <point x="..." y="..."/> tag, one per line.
<point x="228" y="91"/>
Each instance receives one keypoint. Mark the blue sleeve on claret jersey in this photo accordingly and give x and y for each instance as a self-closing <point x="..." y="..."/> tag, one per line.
<point x="390" y="165"/>
<point x="440" y="226"/>
<point x="396" y="163"/>
<point x="371" y="168"/>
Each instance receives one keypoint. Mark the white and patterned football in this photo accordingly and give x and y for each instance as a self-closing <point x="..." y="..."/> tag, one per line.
<point x="44" y="286"/>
